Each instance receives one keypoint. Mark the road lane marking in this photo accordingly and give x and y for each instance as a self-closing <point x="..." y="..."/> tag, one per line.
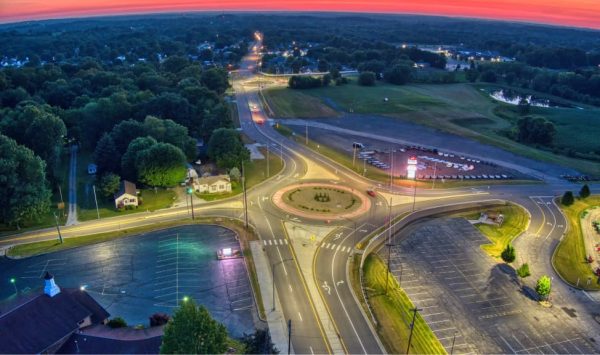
<point x="300" y="316"/>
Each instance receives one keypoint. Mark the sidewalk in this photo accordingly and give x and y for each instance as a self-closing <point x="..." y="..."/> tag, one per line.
<point x="275" y="319"/>
<point x="127" y="333"/>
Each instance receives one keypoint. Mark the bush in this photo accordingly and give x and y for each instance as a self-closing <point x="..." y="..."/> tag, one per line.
<point x="567" y="199"/>
<point x="159" y="319"/>
<point x="366" y="78"/>
<point x="117" y="322"/>
<point x="543" y="287"/>
<point x="585" y="191"/>
<point x="508" y="254"/>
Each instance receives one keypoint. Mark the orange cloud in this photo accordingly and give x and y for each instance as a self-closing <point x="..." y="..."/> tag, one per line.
<point x="578" y="13"/>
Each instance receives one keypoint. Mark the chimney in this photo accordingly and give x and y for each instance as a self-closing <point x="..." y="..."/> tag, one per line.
<point x="51" y="289"/>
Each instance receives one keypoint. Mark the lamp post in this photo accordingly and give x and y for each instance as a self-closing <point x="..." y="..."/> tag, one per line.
<point x="13" y="281"/>
<point x="58" y="228"/>
<point x="412" y="326"/>
<point x="190" y="191"/>
<point x="273" y="278"/>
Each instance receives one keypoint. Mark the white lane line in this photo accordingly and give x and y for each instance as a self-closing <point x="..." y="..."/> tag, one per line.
<point x="290" y="286"/>
<point x="300" y="315"/>
<point x="311" y="350"/>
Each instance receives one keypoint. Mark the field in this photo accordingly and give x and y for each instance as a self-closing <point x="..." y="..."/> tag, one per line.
<point x="393" y="314"/>
<point x="462" y="109"/>
<point x="515" y="222"/>
<point x="569" y="257"/>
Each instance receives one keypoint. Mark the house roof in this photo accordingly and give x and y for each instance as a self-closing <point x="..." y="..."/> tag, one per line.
<point x="209" y="180"/>
<point x="87" y="344"/>
<point x="127" y="187"/>
<point x="43" y="321"/>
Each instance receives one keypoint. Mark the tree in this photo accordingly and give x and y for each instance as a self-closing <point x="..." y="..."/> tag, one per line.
<point x="192" y="330"/>
<point x="543" y="287"/>
<point x="585" y="191"/>
<point x="225" y="147"/>
<point x="508" y="254"/>
<point x="399" y="74"/>
<point x="567" y="198"/>
<point x="534" y="129"/>
<point x="23" y="191"/>
<point x="162" y="164"/>
<point x="366" y="78"/>
<point x="215" y="79"/>
<point x="130" y="158"/>
<point x="106" y="155"/>
<point x="235" y="174"/>
<point x="109" y="184"/>
<point x="259" y="343"/>
<point x="523" y="271"/>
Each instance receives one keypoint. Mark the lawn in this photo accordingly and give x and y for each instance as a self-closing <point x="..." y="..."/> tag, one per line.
<point x="516" y="221"/>
<point x="393" y="313"/>
<point x="461" y="109"/>
<point x="256" y="172"/>
<point x="569" y="257"/>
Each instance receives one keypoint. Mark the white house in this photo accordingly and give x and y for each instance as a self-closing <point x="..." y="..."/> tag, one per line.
<point x="213" y="184"/>
<point x="127" y="195"/>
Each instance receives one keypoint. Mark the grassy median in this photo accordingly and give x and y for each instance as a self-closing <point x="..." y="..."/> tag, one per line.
<point x="569" y="257"/>
<point x="393" y="314"/>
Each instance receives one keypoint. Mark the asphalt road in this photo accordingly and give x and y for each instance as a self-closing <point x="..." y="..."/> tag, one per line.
<point x="353" y="330"/>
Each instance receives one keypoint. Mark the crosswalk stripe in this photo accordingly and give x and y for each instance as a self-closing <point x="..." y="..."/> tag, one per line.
<point x="286" y="242"/>
<point x="338" y="248"/>
<point x="270" y="242"/>
<point x="327" y="246"/>
<point x="265" y="242"/>
<point x="280" y="241"/>
<point x="344" y="249"/>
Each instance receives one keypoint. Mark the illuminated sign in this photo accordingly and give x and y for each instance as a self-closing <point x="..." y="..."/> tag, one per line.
<point x="411" y="168"/>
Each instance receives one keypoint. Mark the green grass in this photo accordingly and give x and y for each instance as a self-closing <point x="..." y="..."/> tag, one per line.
<point x="150" y="201"/>
<point x="516" y="220"/>
<point x="256" y="172"/>
<point x="287" y="103"/>
<point x="569" y="257"/>
<point x="393" y="314"/>
<point x="461" y="109"/>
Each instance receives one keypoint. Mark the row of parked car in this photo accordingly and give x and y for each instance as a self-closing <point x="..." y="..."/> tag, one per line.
<point x="368" y="156"/>
<point x="465" y="177"/>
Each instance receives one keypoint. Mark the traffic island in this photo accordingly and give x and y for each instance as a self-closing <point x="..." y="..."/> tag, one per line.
<point x="321" y="201"/>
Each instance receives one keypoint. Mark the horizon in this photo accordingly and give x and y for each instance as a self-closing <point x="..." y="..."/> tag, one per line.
<point x="584" y="14"/>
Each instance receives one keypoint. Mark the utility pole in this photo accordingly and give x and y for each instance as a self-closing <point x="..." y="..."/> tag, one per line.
<point x="306" y="134"/>
<point x="245" y="196"/>
<point x="96" y="199"/>
<point x="391" y="168"/>
<point x="353" y="154"/>
<point x="434" y="175"/>
<point x="289" y="335"/>
<point x="192" y="202"/>
<point x="389" y="245"/>
<point x="414" y="194"/>
<point x="58" y="228"/>
<point x="453" y="340"/>
<point x="268" y="172"/>
<point x="412" y="326"/>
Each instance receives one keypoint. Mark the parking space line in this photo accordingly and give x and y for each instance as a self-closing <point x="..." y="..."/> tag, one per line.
<point x="443" y="330"/>
<point x="438" y="321"/>
<point x="509" y="346"/>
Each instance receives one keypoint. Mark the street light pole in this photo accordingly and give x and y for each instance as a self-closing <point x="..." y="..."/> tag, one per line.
<point x="434" y="175"/>
<point x="453" y="340"/>
<point x="268" y="172"/>
<point x="96" y="199"/>
<point x="245" y="196"/>
<point x="58" y="228"/>
<point x="414" y="193"/>
<point x="289" y="335"/>
<point x="13" y="281"/>
<point x="412" y="326"/>
<point x="389" y="245"/>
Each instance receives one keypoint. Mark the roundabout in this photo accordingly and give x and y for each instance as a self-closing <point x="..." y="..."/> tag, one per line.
<point x="321" y="201"/>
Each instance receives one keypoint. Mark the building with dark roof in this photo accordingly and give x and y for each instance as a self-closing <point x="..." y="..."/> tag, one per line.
<point x="127" y="195"/>
<point x="43" y="323"/>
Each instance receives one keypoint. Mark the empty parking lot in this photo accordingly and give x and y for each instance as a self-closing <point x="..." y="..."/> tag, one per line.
<point x="137" y="276"/>
<point x="471" y="301"/>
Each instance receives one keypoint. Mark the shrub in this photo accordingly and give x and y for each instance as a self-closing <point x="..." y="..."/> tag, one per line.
<point x="567" y="199"/>
<point x="508" y="254"/>
<point x="366" y="78"/>
<point x="159" y="319"/>
<point x="117" y="322"/>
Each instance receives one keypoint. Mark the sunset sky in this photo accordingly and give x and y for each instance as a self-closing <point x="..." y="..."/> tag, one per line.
<point x="579" y="13"/>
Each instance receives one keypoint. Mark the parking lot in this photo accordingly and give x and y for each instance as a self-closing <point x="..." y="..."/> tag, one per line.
<point x="141" y="275"/>
<point x="469" y="300"/>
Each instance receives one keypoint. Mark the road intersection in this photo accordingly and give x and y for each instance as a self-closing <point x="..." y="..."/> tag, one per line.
<point x="311" y="274"/>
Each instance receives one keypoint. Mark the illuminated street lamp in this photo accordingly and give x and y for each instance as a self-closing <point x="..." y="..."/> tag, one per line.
<point x="14" y="283"/>
<point x="190" y="191"/>
<point x="411" y="173"/>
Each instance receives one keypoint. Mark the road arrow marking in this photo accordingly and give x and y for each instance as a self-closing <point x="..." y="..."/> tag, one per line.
<point x="338" y="236"/>
<point x="326" y="287"/>
<point x="339" y="282"/>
